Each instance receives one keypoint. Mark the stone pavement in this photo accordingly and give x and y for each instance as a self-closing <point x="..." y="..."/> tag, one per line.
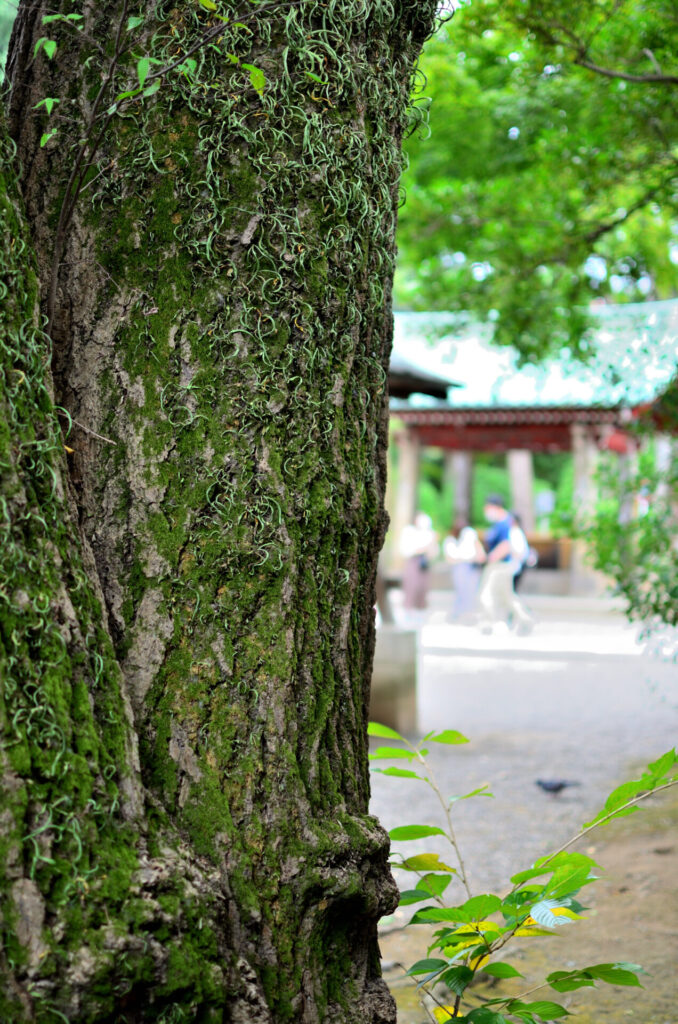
<point x="579" y="698"/>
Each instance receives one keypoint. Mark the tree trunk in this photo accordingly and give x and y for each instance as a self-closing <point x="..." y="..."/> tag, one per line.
<point x="187" y="627"/>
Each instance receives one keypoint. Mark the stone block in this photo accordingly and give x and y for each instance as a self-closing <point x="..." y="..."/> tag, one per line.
<point x="393" y="699"/>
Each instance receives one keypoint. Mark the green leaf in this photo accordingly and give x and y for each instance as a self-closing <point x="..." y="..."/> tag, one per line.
<point x="435" y="885"/>
<point x="568" y="880"/>
<point x="134" y="22"/>
<point x="426" y="862"/>
<point x="44" y="139"/>
<point x="458" y="979"/>
<point x="485" y="1016"/>
<point x="374" y="728"/>
<point x="549" y="864"/>
<point x="479" y="907"/>
<point x="49" y="46"/>
<point x="501" y="969"/>
<point x="209" y="5"/>
<point x="569" y="981"/>
<point x="611" y="815"/>
<point x="410" y="896"/>
<point x="393" y="753"/>
<point x="615" y="974"/>
<point x="442" y="914"/>
<point x="127" y="95"/>
<point x="543" y="1008"/>
<point x="480" y="791"/>
<point x="449" y="736"/>
<point x="403" y="773"/>
<point x="426" y="966"/>
<point x="143" y="67"/>
<point x="663" y="766"/>
<point x="524" y="876"/>
<point x="565" y="859"/>
<point x="61" y="17"/>
<point x="415" y="832"/>
<point x="257" y="78"/>
<point x="152" y="88"/>
<point x="49" y="103"/>
<point x="622" y="794"/>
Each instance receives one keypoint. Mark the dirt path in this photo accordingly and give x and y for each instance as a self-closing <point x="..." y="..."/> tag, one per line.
<point x="578" y="699"/>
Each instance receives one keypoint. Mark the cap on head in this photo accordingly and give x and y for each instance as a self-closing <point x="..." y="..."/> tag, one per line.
<point x="496" y="499"/>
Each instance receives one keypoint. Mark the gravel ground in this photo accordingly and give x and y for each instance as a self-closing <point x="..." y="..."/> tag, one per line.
<point x="579" y="698"/>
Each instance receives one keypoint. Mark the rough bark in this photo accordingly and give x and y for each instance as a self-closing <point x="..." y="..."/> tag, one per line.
<point x="222" y="316"/>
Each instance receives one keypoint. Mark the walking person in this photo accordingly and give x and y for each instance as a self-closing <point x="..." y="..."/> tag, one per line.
<point x="522" y="555"/>
<point x="465" y="553"/>
<point x="419" y="546"/>
<point x="498" y="599"/>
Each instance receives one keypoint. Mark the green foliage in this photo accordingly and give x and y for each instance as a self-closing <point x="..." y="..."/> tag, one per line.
<point x="632" y="533"/>
<point x="7" y="15"/>
<point x="490" y="476"/>
<point x="435" y="495"/>
<point x="552" y="141"/>
<point x="540" y="900"/>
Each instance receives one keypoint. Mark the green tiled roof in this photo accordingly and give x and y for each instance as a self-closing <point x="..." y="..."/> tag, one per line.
<point x="635" y="348"/>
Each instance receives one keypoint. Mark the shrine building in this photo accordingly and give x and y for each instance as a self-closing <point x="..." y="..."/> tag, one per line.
<point x="452" y="390"/>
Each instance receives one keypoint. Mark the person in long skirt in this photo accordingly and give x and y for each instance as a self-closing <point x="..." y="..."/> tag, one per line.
<point x="419" y="546"/>
<point x="464" y="551"/>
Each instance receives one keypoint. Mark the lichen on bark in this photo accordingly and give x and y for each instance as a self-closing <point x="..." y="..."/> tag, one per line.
<point x="223" y="321"/>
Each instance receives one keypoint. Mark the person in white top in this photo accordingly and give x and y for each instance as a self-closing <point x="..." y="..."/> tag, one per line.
<point x="418" y="545"/>
<point x="464" y="551"/>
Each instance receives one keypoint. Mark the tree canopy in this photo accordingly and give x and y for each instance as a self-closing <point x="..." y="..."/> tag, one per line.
<point x="550" y="176"/>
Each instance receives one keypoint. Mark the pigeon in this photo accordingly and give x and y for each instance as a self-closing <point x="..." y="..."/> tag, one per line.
<point x="555" y="785"/>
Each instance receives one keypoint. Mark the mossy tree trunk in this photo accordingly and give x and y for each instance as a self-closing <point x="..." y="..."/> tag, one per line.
<point x="190" y="545"/>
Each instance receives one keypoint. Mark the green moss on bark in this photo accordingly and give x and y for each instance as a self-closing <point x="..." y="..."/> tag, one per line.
<point x="236" y="332"/>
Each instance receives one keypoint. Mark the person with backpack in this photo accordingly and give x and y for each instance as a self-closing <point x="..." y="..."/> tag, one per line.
<point x="522" y="555"/>
<point x="498" y="599"/>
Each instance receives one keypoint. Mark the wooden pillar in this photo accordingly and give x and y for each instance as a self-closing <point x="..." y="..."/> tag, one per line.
<point x="459" y="473"/>
<point x="521" y="477"/>
<point x="584" y="455"/>
<point x="404" y="502"/>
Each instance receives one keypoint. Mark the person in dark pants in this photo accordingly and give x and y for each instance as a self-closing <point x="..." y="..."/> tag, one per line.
<point x="521" y="552"/>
